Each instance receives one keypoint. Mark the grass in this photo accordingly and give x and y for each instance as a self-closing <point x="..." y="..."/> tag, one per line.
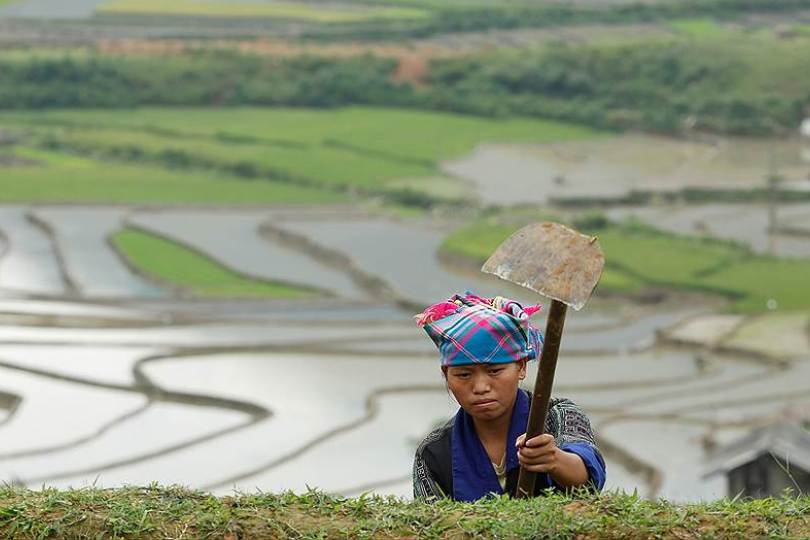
<point x="60" y="177"/>
<point x="174" y="512"/>
<point x="697" y="28"/>
<point x="397" y="133"/>
<point x="639" y="257"/>
<point x="179" y="266"/>
<point x="247" y="8"/>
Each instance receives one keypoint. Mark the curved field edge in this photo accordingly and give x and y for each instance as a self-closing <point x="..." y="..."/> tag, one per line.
<point x="639" y="257"/>
<point x="172" y="512"/>
<point x="170" y="263"/>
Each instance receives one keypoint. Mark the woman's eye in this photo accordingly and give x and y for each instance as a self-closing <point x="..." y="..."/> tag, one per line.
<point x="495" y="371"/>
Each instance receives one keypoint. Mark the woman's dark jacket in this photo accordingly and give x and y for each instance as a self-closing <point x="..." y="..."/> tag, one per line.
<point x="433" y="463"/>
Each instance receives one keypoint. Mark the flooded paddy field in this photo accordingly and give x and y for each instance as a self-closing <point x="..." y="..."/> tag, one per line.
<point x="92" y="266"/>
<point x="214" y="233"/>
<point x="390" y="250"/>
<point x="334" y="392"/>
<point x="748" y="224"/>
<point x="28" y="262"/>
<point x="612" y="167"/>
<point x="316" y="415"/>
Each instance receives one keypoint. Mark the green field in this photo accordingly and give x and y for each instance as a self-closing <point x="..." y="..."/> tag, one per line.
<point x="45" y="176"/>
<point x="399" y="133"/>
<point x="334" y="13"/>
<point x="638" y="257"/>
<point x="319" y="164"/>
<point x="173" y="264"/>
<point x="367" y="150"/>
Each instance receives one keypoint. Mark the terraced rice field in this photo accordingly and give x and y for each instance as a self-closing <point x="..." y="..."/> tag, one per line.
<point x="309" y="153"/>
<point x="613" y="167"/>
<point x="296" y="411"/>
<point x="49" y="176"/>
<point x="319" y="383"/>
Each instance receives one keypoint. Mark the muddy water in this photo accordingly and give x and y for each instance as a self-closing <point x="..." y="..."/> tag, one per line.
<point x="676" y="449"/>
<point x="610" y="167"/>
<point x="402" y="254"/>
<point x="745" y="223"/>
<point x="90" y="262"/>
<point x="54" y="412"/>
<point x="31" y="306"/>
<point x="100" y="365"/>
<point x="321" y="413"/>
<point x="158" y="428"/>
<point x="29" y="263"/>
<point x="216" y="234"/>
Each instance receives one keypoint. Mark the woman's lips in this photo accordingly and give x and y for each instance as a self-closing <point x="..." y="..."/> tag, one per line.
<point x="484" y="403"/>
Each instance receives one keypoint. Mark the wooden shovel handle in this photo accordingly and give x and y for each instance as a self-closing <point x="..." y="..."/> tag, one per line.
<point x="542" y="389"/>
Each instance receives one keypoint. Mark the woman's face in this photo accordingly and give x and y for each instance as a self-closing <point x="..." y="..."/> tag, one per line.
<point x="486" y="391"/>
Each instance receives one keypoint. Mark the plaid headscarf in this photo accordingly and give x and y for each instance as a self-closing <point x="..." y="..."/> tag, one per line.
<point x="470" y="329"/>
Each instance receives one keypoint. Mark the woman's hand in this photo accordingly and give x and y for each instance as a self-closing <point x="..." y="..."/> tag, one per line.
<point x="540" y="454"/>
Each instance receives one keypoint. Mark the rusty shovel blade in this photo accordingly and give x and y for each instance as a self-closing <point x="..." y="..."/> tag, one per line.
<point x="551" y="259"/>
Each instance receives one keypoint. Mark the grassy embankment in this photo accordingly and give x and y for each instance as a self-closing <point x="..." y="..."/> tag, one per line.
<point x="280" y="10"/>
<point x="172" y="512"/>
<point x="639" y="257"/>
<point x="325" y="154"/>
<point x="177" y="266"/>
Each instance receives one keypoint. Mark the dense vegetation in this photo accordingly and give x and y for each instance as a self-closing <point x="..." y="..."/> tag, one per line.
<point x="477" y="15"/>
<point x="173" y="512"/>
<point x="726" y="81"/>
<point x="730" y="82"/>
<point x="640" y="257"/>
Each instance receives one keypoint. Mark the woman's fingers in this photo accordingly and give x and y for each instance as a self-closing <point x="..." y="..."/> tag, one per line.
<point x="540" y="440"/>
<point x="535" y="456"/>
<point x="538" y="454"/>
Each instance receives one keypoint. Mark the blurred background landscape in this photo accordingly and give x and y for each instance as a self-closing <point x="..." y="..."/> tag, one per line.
<point x="217" y="218"/>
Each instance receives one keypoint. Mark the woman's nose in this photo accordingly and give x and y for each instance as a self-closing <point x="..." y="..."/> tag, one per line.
<point x="480" y="384"/>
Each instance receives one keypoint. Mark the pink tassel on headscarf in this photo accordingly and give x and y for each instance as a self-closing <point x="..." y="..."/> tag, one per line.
<point x="441" y="310"/>
<point x="436" y="312"/>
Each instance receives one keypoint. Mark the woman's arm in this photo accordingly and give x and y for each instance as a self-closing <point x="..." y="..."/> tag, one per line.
<point x="567" y="451"/>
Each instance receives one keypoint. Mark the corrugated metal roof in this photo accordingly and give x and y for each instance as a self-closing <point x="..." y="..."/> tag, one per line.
<point x="787" y="440"/>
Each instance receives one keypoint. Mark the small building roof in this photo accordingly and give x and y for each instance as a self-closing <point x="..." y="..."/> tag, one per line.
<point x="788" y="441"/>
<point x="804" y="128"/>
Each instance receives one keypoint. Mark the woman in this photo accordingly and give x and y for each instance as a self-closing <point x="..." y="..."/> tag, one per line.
<point x="484" y="345"/>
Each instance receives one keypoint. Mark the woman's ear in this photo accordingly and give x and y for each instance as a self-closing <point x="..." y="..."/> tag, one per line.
<point x="521" y="369"/>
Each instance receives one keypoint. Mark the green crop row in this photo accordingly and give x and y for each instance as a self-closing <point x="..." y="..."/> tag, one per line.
<point x="47" y="176"/>
<point x="172" y="264"/>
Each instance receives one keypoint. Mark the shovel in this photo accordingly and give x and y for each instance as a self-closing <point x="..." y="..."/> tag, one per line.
<point x="561" y="264"/>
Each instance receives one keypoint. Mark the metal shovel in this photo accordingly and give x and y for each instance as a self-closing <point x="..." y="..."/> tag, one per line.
<point x="564" y="265"/>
